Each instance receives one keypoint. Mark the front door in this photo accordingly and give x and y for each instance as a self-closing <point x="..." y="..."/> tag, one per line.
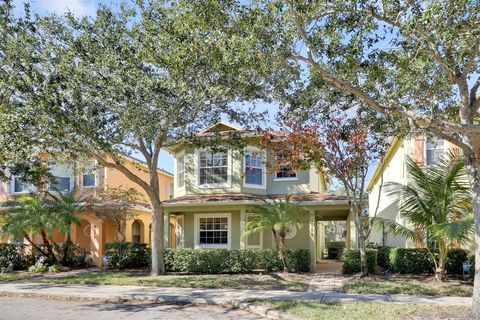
<point x="179" y="232"/>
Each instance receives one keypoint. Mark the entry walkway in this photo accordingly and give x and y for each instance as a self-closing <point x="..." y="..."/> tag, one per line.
<point x="200" y="296"/>
<point x="328" y="277"/>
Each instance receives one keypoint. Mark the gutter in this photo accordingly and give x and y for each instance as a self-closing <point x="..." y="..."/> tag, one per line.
<point x="252" y="202"/>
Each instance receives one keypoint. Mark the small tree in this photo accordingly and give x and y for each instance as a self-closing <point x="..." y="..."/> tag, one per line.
<point x="339" y="146"/>
<point x="278" y="216"/>
<point x="114" y="204"/>
<point x="437" y="203"/>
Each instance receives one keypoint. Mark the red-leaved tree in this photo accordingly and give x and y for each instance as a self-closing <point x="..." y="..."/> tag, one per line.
<point x="340" y="146"/>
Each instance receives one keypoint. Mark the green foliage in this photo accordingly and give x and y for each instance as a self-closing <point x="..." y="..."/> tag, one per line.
<point x="54" y="268"/>
<point x="38" y="267"/>
<point x="277" y="216"/>
<point x="12" y="256"/>
<point x="411" y="261"/>
<point x="335" y="249"/>
<point x="471" y="271"/>
<point x="455" y="260"/>
<point x="213" y="261"/>
<point x="121" y="255"/>
<point x="351" y="261"/>
<point x="383" y="256"/>
<point x="6" y="270"/>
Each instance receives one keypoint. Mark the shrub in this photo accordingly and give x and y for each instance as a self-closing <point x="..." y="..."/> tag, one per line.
<point x="455" y="260"/>
<point x="268" y="260"/>
<point x="6" y="270"/>
<point x="12" y="255"/>
<point x="383" y="256"/>
<point x="298" y="260"/>
<point x="121" y="255"/>
<point x="351" y="261"/>
<point x="54" y="268"/>
<point x="412" y="261"/>
<point x="38" y="267"/>
<point x="335" y="249"/>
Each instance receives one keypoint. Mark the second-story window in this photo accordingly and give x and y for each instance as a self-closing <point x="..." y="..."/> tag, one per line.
<point x="285" y="171"/>
<point x="63" y="179"/>
<point x="89" y="175"/>
<point x="181" y="171"/>
<point x="254" y="171"/>
<point x="19" y="186"/>
<point x="213" y="168"/>
<point x="434" y="149"/>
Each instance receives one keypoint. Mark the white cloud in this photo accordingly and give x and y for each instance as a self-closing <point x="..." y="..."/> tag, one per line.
<point x="77" y="7"/>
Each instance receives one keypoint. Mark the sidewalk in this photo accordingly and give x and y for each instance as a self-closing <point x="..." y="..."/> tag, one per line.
<point x="203" y="296"/>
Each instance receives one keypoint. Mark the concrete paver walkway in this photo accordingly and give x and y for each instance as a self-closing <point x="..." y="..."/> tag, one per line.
<point x="202" y="296"/>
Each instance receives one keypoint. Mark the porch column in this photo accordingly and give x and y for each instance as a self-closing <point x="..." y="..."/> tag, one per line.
<point x="96" y="241"/>
<point x="312" y="239"/>
<point x="351" y="232"/>
<point x="166" y="228"/>
<point x="243" y="228"/>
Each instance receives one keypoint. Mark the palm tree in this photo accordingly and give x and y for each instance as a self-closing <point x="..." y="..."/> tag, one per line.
<point x="278" y="216"/>
<point x="437" y="203"/>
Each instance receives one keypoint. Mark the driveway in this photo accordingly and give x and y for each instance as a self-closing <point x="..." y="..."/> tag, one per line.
<point x="39" y="309"/>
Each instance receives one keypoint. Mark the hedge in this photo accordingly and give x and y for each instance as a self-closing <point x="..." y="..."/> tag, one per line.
<point x="419" y="261"/>
<point x="383" y="256"/>
<point x="335" y="249"/>
<point x="351" y="261"/>
<point x="136" y="255"/>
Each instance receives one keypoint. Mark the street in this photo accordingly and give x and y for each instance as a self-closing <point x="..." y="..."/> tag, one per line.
<point x="14" y="308"/>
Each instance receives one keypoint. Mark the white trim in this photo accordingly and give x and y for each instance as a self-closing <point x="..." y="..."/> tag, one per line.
<point x="260" y="246"/>
<point x="221" y="122"/>
<point x="425" y="139"/>
<point x="244" y="170"/>
<point x="70" y="169"/>
<point x="196" y="231"/>
<point x="285" y="179"/>
<point x="246" y="202"/>
<point x="227" y="184"/>
<point x="95" y="173"/>
<point x="176" y="188"/>
<point x="30" y="188"/>
<point x="180" y="234"/>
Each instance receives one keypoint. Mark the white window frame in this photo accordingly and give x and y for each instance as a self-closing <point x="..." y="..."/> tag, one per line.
<point x="227" y="184"/>
<point x="260" y="246"/>
<point x="71" y="186"/>
<point x="30" y="188"/>
<point x="196" y="228"/>
<point x="264" y="169"/>
<point x="178" y="188"/>
<point x="275" y="178"/>
<point x="425" y="140"/>
<point x="95" y="173"/>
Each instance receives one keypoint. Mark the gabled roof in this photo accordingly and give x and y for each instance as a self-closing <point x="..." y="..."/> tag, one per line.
<point x="220" y="126"/>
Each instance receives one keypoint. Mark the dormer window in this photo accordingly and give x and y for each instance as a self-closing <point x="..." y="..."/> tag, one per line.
<point x="434" y="149"/>
<point x="213" y="168"/>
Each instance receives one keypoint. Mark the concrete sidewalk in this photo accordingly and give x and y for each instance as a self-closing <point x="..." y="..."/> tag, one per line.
<point x="203" y="296"/>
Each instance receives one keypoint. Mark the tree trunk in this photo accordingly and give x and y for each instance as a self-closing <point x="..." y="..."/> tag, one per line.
<point x="282" y="251"/>
<point x="48" y="245"/>
<point x="43" y="253"/>
<point x="158" y="263"/>
<point x="357" y="217"/>
<point x="473" y="171"/>
<point x="442" y="257"/>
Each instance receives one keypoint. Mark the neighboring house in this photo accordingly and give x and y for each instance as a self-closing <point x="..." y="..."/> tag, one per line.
<point x="424" y="151"/>
<point x="86" y="178"/>
<point x="215" y="189"/>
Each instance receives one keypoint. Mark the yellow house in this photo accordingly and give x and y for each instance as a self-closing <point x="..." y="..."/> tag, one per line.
<point x="87" y="178"/>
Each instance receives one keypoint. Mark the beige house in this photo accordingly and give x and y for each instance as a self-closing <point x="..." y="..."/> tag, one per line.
<point x="215" y="189"/>
<point x="423" y="151"/>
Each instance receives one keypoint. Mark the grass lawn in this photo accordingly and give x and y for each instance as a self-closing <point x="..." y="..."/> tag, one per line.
<point x="392" y="285"/>
<point x="366" y="310"/>
<point x="17" y="276"/>
<point x="242" y="281"/>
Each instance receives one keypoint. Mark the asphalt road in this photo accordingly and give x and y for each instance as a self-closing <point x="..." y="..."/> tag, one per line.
<point x="39" y="309"/>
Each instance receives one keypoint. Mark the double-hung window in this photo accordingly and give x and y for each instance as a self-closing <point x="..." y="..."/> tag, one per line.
<point x="213" y="168"/>
<point x="89" y="175"/>
<point x="213" y="230"/>
<point x="62" y="178"/>
<point x="181" y="171"/>
<point x="285" y="171"/>
<point x="20" y="186"/>
<point x="254" y="170"/>
<point x="434" y="150"/>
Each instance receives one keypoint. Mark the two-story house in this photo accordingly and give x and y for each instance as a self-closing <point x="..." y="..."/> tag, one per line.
<point x="86" y="178"/>
<point x="215" y="189"/>
<point x="424" y="151"/>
